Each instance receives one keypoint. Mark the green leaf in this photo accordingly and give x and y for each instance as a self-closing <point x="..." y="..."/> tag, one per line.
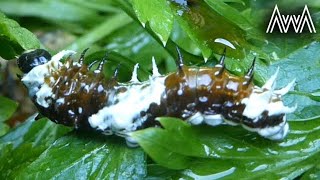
<point x="235" y="17"/>
<point x="7" y="108"/>
<point x="4" y="128"/>
<point x="51" y="10"/>
<point x="313" y="173"/>
<point x="303" y="66"/>
<point x="31" y="137"/>
<point x="14" y="39"/>
<point x="42" y="132"/>
<point x="247" y="152"/>
<point x="14" y="160"/>
<point x="211" y="31"/>
<point x="158" y="14"/>
<point x="88" y="157"/>
<point x="50" y="150"/>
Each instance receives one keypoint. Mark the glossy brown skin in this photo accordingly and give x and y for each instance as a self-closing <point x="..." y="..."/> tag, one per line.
<point x="80" y="88"/>
<point x="207" y="91"/>
<point x="211" y="91"/>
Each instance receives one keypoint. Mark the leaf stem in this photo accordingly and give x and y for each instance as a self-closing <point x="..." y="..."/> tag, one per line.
<point x="107" y="27"/>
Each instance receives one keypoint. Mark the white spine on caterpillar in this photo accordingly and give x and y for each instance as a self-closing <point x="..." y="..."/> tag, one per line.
<point x="34" y="80"/>
<point x="134" y="77"/>
<point x="155" y="71"/>
<point x="267" y="99"/>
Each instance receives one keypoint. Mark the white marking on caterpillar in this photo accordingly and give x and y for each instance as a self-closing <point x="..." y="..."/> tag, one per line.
<point x="266" y="99"/>
<point x="70" y="112"/>
<point x="118" y="116"/>
<point x="260" y="100"/>
<point x="276" y="108"/>
<point x="97" y="71"/>
<point x="44" y="92"/>
<point x="60" y="101"/>
<point x="232" y="85"/>
<point x="203" y="99"/>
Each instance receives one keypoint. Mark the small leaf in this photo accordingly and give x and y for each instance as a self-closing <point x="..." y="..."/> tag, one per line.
<point x="4" y="128"/>
<point x="158" y="150"/>
<point x="158" y="14"/>
<point x="14" y="39"/>
<point x="7" y="108"/>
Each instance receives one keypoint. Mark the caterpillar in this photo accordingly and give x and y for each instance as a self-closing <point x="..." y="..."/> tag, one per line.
<point x="71" y="94"/>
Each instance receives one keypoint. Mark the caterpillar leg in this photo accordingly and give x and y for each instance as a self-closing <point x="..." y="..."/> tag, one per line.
<point x="213" y="120"/>
<point x="196" y="119"/>
<point x="131" y="142"/>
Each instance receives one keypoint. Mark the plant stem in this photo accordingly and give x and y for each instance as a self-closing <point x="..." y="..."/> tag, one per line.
<point x="170" y="45"/>
<point x="107" y="27"/>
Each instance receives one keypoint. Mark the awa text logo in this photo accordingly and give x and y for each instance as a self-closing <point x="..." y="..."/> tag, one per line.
<point x="298" y="22"/>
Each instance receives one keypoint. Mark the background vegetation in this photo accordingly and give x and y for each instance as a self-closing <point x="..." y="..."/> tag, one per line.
<point x="134" y="31"/>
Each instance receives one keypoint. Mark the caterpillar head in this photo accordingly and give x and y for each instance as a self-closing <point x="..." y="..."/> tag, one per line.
<point x="38" y="64"/>
<point x="30" y="59"/>
<point x="265" y="112"/>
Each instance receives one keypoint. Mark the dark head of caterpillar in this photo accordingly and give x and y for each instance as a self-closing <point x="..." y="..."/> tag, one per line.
<point x="33" y="58"/>
<point x="70" y="93"/>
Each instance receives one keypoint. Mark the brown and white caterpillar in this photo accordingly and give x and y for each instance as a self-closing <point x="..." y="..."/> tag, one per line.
<point x="70" y="94"/>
